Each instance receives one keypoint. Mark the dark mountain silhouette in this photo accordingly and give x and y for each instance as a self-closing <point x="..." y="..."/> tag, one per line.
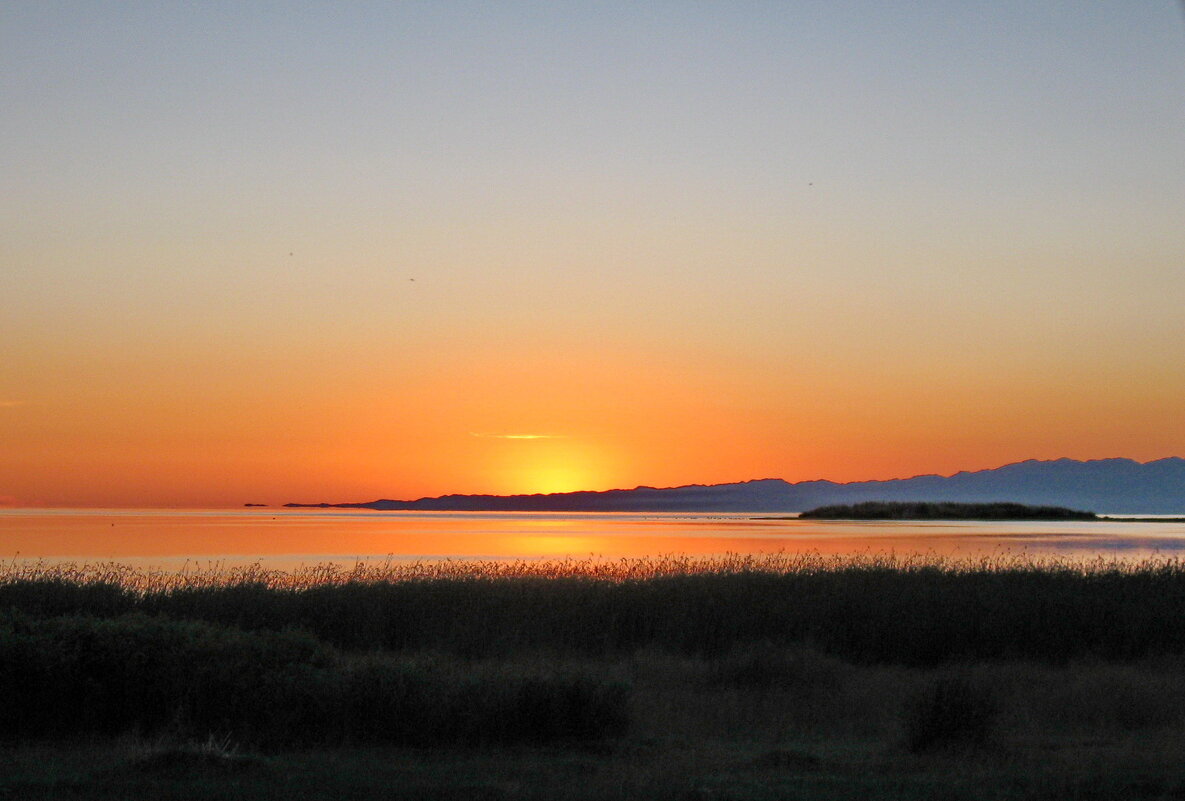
<point x="1115" y="486"/>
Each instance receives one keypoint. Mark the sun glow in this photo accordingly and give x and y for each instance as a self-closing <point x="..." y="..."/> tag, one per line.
<point x="555" y="478"/>
<point x="529" y="466"/>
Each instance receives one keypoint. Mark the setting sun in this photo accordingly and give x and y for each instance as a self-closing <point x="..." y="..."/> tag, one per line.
<point x="555" y="478"/>
<point x="528" y="465"/>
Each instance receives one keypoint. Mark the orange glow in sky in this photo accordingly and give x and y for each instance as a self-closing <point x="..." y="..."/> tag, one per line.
<point x="543" y="423"/>
<point x="466" y="249"/>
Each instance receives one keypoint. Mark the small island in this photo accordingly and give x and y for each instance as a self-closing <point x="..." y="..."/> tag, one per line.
<point x="934" y="510"/>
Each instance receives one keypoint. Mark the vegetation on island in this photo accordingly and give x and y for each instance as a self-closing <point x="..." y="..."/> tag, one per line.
<point x="943" y="510"/>
<point x="784" y="676"/>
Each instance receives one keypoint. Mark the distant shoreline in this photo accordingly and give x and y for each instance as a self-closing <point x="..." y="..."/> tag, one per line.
<point x="1119" y="486"/>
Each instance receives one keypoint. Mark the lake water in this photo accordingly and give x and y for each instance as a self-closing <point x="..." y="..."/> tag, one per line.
<point x="287" y="538"/>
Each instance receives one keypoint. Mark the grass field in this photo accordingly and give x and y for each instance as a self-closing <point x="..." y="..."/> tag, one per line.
<point x="743" y="678"/>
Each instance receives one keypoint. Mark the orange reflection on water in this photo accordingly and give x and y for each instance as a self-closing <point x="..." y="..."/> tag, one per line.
<point x="290" y="536"/>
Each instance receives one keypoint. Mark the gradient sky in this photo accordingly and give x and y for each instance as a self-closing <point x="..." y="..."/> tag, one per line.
<point x="285" y="251"/>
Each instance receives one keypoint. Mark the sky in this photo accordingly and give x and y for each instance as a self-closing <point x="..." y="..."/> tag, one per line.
<point x="271" y="252"/>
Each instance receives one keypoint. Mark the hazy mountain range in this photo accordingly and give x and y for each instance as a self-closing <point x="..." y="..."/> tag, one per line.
<point x="1117" y="486"/>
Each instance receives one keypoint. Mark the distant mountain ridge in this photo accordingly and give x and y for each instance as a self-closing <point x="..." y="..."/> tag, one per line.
<point x="1115" y="486"/>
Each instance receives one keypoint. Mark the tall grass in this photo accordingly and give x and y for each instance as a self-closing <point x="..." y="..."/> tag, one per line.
<point x="913" y="611"/>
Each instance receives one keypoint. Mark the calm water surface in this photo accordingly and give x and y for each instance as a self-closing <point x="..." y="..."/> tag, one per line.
<point x="286" y="538"/>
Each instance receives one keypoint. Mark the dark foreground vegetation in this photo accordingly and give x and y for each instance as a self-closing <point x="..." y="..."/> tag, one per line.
<point x="943" y="510"/>
<point x="783" y="677"/>
<point x="76" y="674"/>
<point x="865" y="610"/>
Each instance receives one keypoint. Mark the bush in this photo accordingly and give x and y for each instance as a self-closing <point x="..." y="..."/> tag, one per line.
<point x="951" y="712"/>
<point x="76" y="675"/>
<point x="768" y="666"/>
<point x="428" y="701"/>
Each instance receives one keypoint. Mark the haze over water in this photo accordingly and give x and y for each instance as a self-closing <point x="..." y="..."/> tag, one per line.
<point x="288" y="538"/>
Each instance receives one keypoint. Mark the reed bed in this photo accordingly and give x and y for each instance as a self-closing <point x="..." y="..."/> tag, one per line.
<point x="780" y="663"/>
<point x="842" y="676"/>
<point x="218" y="574"/>
<point x="913" y="610"/>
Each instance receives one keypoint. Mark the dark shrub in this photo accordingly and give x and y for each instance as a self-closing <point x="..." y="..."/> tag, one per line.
<point x="70" y="675"/>
<point x="951" y="712"/>
<point x="78" y="675"/>
<point x="765" y="666"/>
<point x="429" y="702"/>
